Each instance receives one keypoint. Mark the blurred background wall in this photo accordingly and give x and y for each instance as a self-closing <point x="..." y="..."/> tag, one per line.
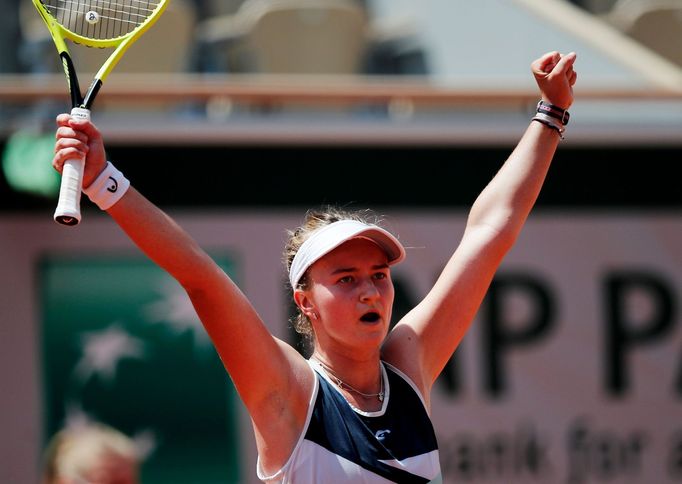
<point x="238" y="116"/>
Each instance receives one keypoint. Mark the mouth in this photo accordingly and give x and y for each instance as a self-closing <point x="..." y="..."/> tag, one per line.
<point x="370" y="317"/>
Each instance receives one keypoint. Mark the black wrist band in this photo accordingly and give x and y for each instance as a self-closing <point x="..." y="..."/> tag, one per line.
<point x="554" y="111"/>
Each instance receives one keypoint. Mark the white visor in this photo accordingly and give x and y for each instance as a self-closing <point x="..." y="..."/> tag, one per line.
<point x="329" y="237"/>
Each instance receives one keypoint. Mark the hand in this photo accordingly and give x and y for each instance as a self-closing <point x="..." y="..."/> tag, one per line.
<point x="555" y="76"/>
<point x="79" y="139"/>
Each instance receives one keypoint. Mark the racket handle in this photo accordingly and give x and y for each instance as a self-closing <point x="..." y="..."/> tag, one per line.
<point x="68" y="210"/>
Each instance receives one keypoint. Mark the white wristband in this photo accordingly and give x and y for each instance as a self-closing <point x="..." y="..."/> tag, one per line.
<point x="108" y="188"/>
<point x="550" y="122"/>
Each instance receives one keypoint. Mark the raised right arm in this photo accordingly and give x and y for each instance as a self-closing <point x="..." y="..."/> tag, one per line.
<point x="272" y="379"/>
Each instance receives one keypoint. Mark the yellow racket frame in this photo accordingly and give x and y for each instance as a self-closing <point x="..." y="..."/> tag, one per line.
<point x="59" y="33"/>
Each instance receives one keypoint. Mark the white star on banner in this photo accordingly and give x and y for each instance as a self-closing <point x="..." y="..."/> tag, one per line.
<point x="146" y="442"/>
<point x="103" y="350"/>
<point x="76" y="417"/>
<point x="175" y="310"/>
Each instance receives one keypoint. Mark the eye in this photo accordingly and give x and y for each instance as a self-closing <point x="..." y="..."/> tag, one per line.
<point x="346" y="280"/>
<point x="380" y="275"/>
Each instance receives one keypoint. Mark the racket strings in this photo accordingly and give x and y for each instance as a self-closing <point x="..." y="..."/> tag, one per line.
<point x="112" y="18"/>
<point x="106" y="17"/>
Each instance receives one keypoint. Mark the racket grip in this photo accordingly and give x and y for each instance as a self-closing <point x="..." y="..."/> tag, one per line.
<point x="68" y="210"/>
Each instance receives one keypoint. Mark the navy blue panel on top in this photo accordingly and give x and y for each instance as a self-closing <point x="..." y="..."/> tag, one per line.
<point x="404" y="430"/>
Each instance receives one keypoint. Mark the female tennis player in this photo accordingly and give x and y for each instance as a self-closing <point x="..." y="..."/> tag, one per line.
<point x="358" y="410"/>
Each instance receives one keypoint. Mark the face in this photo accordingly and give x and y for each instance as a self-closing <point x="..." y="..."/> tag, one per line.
<point x="351" y="292"/>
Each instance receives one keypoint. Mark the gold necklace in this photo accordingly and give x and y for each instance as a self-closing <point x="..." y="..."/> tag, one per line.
<point x="342" y="384"/>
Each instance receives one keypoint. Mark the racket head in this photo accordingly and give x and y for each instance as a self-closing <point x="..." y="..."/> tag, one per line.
<point x="96" y="23"/>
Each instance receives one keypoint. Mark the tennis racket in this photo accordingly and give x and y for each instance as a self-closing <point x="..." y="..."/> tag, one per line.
<point x="93" y="23"/>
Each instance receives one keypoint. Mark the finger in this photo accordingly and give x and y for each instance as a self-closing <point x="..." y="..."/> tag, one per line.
<point x="85" y="126"/>
<point x="69" y="154"/>
<point x="68" y="132"/>
<point x="565" y="63"/>
<point x="66" y="154"/>
<point x="63" y="119"/>
<point x="57" y="163"/>
<point x="63" y="143"/>
<point x="546" y="63"/>
<point x="572" y="79"/>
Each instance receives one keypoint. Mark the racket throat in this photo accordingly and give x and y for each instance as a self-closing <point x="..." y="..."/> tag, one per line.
<point x="72" y="79"/>
<point x="92" y="93"/>
<point x="77" y="100"/>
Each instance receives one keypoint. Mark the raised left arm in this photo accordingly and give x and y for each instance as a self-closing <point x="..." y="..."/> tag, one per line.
<point x="424" y="340"/>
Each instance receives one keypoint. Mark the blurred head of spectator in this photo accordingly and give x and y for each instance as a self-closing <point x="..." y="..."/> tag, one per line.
<point x="91" y="454"/>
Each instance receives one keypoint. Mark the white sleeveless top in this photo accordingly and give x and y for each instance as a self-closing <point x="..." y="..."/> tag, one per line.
<point x="342" y="444"/>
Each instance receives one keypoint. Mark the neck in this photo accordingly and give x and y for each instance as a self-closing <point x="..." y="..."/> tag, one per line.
<point x="363" y="378"/>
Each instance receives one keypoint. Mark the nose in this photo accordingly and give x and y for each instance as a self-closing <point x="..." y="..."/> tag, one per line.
<point x="369" y="291"/>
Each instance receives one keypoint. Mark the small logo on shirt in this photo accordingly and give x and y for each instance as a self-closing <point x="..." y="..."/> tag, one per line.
<point x="382" y="434"/>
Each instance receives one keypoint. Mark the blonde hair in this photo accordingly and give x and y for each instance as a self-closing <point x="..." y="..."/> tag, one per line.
<point x="314" y="220"/>
<point x="74" y="452"/>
